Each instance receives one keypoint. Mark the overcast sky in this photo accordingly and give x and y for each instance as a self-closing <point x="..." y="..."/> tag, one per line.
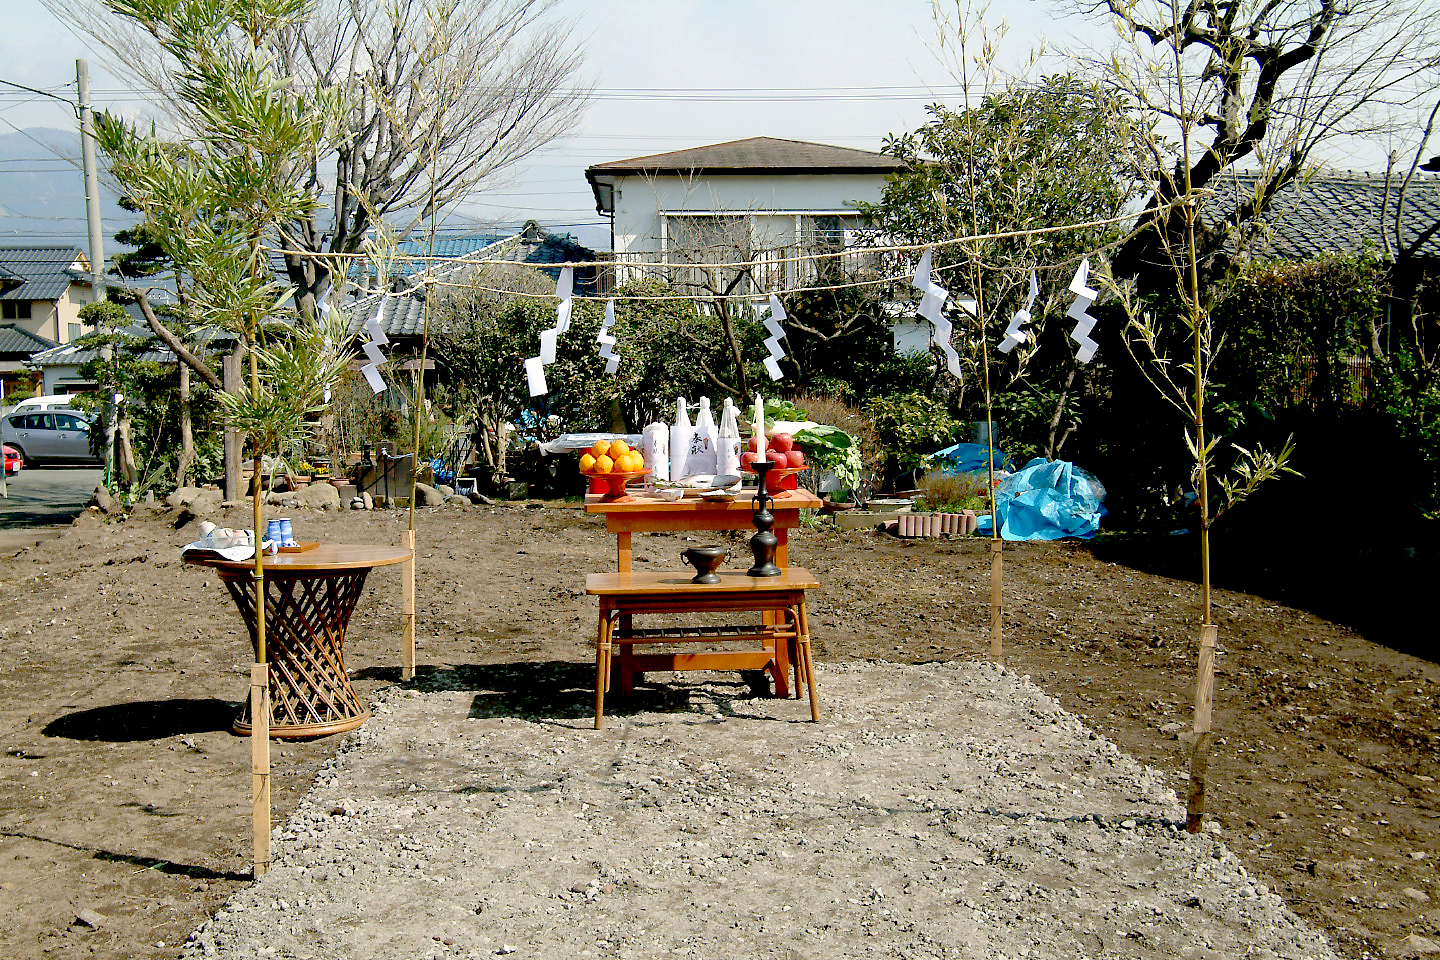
<point x="670" y="74"/>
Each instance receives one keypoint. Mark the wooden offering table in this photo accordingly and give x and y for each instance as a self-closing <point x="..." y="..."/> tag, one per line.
<point x="309" y="598"/>
<point x="785" y="633"/>
<point x="649" y="514"/>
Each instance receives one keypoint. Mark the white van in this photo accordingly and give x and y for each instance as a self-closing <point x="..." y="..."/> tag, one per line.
<point x="32" y="404"/>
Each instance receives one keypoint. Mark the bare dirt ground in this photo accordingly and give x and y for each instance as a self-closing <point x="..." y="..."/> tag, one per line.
<point x="125" y="797"/>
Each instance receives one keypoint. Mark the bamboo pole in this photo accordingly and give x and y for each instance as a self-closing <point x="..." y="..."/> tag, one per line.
<point x="1200" y="748"/>
<point x="260" y="671"/>
<point x="408" y="615"/>
<point x="1205" y="674"/>
<point x="407" y="608"/>
<point x="997" y="596"/>
<point x="260" y="765"/>
<point x="997" y="546"/>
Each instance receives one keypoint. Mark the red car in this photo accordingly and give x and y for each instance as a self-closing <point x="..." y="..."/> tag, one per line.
<point x="13" y="463"/>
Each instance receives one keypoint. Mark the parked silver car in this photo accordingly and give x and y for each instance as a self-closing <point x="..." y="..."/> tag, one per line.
<point x="56" y="435"/>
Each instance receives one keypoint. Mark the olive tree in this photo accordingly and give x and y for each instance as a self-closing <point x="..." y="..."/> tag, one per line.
<point x="1054" y="154"/>
<point x="214" y="203"/>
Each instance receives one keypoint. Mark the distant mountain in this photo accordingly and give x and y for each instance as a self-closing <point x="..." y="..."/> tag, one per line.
<point x="42" y="196"/>
<point x="42" y="192"/>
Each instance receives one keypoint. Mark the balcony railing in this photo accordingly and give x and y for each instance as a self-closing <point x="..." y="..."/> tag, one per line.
<point x="769" y="271"/>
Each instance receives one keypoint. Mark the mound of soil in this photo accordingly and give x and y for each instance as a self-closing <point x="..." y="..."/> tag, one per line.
<point x="124" y="814"/>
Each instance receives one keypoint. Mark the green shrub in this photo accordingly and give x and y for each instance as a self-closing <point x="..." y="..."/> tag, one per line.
<point x="910" y="427"/>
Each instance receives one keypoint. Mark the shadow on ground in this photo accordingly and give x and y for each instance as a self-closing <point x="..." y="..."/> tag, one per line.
<point x="1375" y="588"/>
<point x="144" y="720"/>
<point x="564" y="690"/>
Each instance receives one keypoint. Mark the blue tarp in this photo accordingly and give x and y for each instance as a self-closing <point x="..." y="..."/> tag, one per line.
<point x="966" y="458"/>
<point x="1048" y="500"/>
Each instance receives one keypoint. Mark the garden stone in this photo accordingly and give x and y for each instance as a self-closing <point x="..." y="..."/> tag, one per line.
<point x="318" y="496"/>
<point x="445" y="490"/>
<point x="457" y="500"/>
<point x="196" y="500"/>
<point x="427" y="496"/>
<point x="103" y="501"/>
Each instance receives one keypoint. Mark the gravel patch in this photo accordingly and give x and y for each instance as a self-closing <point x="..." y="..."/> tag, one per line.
<point x="947" y="810"/>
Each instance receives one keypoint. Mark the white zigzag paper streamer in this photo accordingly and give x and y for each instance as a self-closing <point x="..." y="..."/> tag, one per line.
<point x="772" y="342"/>
<point x="1080" y="311"/>
<point x="378" y="339"/>
<point x="550" y="339"/>
<point x="535" y="374"/>
<point x="1014" y="336"/>
<point x="932" y="308"/>
<point x="606" y="339"/>
<point x="324" y="306"/>
<point x="565" y="290"/>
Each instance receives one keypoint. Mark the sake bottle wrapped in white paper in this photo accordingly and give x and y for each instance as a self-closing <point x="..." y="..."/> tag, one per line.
<point x="702" y="445"/>
<point x="727" y="441"/>
<point x="680" y="434"/>
<point x="655" y="445"/>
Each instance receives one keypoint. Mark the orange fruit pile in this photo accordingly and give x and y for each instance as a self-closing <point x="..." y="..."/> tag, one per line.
<point x="611" y="456"/>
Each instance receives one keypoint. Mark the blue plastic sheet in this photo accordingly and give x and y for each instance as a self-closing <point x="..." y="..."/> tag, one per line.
<point x="966" y="458"/>
<point x="1049" y="500"/>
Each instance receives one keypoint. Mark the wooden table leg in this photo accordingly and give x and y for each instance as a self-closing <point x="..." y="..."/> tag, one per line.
<point x="782" y="648"/>
<point x="602" y="665"/>
<point x="309" y="691"/>
<point x="624" y="559"/>
<point x="807" y="660"/>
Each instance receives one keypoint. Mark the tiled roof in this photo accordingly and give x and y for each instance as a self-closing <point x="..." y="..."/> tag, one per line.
<point x="444" y="248"/>
<point x="756" y="155"/>
<point x="403" y="315"/>
<point x="17" y="341"/>
<point x="71" y="354"/>
<point x="207" y="338"/>
<point x="1338" y="213"/>
<point x="400" y="316"/>
<point x="47" y="272"/>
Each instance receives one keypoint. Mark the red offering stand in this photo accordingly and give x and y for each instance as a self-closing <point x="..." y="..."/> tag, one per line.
<point x="781" y="480"/>
<point x="611" y="486"/>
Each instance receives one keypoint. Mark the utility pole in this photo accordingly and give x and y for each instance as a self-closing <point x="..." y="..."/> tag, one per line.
<point x="92" y="180"/>
<point x="97" y="240"/>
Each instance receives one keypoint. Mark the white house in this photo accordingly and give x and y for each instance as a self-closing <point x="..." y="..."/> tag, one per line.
<point x="762" y="200"/>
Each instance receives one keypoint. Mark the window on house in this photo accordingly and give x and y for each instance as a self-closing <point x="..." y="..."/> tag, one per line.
<point x="707" y="239"/>
<point x="77" y="330"/>
<point x="826" y="233"/>
<point x="831" y="231"/>
<point x="15" y="309"/>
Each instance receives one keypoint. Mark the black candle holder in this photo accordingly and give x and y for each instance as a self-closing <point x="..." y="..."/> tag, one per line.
<point x="764" y="543"/>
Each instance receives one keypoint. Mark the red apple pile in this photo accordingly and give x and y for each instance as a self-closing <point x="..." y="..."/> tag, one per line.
<point x="780" y="450"/>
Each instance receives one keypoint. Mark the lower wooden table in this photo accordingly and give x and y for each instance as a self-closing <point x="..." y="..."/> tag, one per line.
<point x="639" y="513"/>
<point x="786" y="636"/>
<point x="309" y="598"/>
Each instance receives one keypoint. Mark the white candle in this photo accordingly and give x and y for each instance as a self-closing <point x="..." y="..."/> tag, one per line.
<point x="759" y="424"/>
